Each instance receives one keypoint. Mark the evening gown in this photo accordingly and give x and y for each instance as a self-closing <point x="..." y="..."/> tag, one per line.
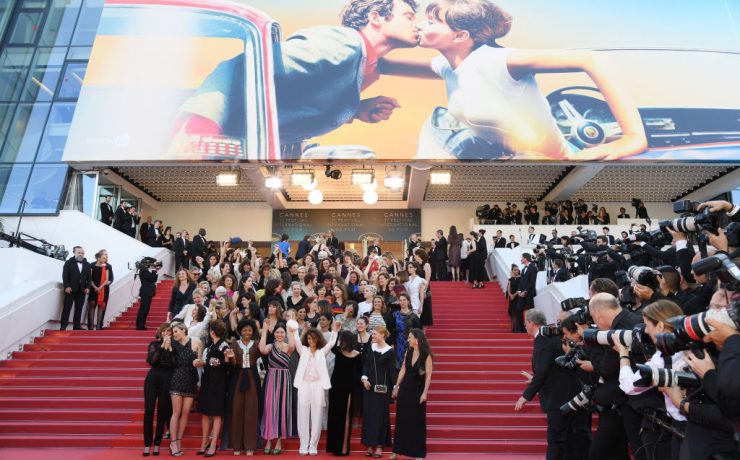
<point x="212" y="399"/>
<point x="376" y="417"/>
<point x="410" y="436"/>
<point x="404" y="323"/>
<point x="342" y="402"/>
<point x="185" y="377"/>
<point x="277" y="421"/>
<point x="246" y="395"/>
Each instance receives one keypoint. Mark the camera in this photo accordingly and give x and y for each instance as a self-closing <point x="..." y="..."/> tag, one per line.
<point x="147" y="263"/>
<point x="551" y="331"/>
<point x="568" y="360"/>
<point x="686" y="206"/>
<point x="732" y="231"/>
<point x="581" y="316"/>
<point x="690" y="330"/>
<point x="626" y="294"/>
<point x="726" y="270"/>
<point x="666" y="378"/>
<point x="636" y="340"/>
<point x="481" y="212"/>
<point x="693" y="223"/>
<point x="583" y="400"/>
<point x="635" y="203"/>
<point x="644" y="276"/>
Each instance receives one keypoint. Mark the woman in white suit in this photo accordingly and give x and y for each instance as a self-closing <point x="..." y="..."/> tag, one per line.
<point x="311" y="380"/>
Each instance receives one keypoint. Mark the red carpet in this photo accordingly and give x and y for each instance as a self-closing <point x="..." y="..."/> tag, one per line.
<point x="81" y="389"/>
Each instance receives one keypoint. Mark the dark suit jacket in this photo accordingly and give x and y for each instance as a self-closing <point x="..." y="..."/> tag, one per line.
<point x="120" y="220"/>
<point x="440" y="250"/>
<point x="73" y="278"/>
<point x="528" y="282"/>
<point x="333" y="242"/>
<point x="511" y="245"/>
<point x="304" y="247"/>
<point x="180" y="246"/>
<point x="561" y="275"/>
<point x="499" y="243"/>
<point x="144" y="232"/>
<point x="148" y="283"/>
<point x="106" y="213"/>
<point x="152" y="239"/>
<point x="623" y="216"/>
<point x="377" y="249"/>
<point x="555" y="385"/>
<point x="198" y="246"/>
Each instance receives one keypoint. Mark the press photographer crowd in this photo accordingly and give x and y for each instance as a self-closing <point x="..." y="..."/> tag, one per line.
<point x="654" y="353"/>
<point x="564" y="212"/>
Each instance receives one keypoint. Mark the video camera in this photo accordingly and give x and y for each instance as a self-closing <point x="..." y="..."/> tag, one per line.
<point x="690" y="330"/>
<point x="637" y="341"/>
<point x="147" y="263"/>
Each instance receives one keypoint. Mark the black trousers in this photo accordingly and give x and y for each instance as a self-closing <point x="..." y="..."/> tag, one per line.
<point x="156" y="396"/>
<point x="610" y="440"/>
<point x="568" y="436"/>
<point x="182" y="262"/>
<point x="439" y="269"/>
<point x="141" y="315"/>
<point x="78" y="298"/>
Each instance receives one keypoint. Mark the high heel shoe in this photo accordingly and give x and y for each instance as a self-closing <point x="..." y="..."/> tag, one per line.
<point x="202" y="452"/>
<point x="155" y="451"/>
<point x="177" y="453"/>
<point x="146" y="452"/>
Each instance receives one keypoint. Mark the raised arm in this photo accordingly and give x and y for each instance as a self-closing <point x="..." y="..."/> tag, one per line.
<point x="264" y="347"/>
<point x="617" y="96"/>
<point x="415" y="68"/>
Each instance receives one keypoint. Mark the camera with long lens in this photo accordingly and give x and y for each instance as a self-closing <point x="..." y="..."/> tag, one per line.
<point x="725" y="269"/>
<point x="692" y="220"/>
<point x="661" y="378"/>
<point x="644" y="276"/>
<point x="690" y="330"/>
<point x="551" y="331"/>
<point x="570" y="360"/>
<point x="626" y="294"/>
<point x="636" y="340"/>
<point x="581" y="401"/>
<point x="148" y="263"/>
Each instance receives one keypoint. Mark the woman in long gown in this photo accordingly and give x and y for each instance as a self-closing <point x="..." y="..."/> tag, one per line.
<point x="246" y="391"/>
<point x="100" y="281"/>
<point x="410" y="391"/>
<point x="512" y="295"/>
<point x="342" y="394"/>
<point x="212" y="399"/>
<point x="455" y="243"/>
<point x="378" y="376"/>
<point x="425" y="271"/>
<point x="277" y="419"/>
<point x="406" y="320"/>
<point x="363" y="341"/>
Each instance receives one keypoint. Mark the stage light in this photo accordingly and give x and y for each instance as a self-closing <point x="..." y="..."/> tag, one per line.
<point x="440" y="177"/>
<point x="362" y="176"/>
<point x="302" y="177"/>
<point x="273" y="181"/>
<point x="227" y="178"/>
<point x="315" y="197"/>
<point x="394" y="180"/>
<point x="335" y="174"/>
<point x="370" y="197"/>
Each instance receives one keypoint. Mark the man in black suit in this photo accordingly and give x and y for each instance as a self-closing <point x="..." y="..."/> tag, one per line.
<point x="333" y="242"/>
<point x="528" y="282"/>
<point x="499" y="241"/>
<point x="106" y="211"/>
<point x="438" y="257"/>
<point x="147" y="291"/>
<point x="641" y="211"/>
<point x="153" y="236"/>
<point x="560" y="272"/>
<point x="119" y="223"/>
<point x="182" y="251"/>
<point x="610" y="238"/>
<point x="144" y="230"/>
<point x="304" y="247"/>
<point x="623" y="214"/>
<point x="512" y="242"/>
<point x="199" y="245"/>
<point x="131" y="222"/>
<point x="555" y="385"/>
<point x="76" y="280"/>
<point x="375" y="247"/>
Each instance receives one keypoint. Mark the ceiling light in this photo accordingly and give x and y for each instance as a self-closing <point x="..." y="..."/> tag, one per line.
<point x="371" y="186"/>
<point x="311" y="186"/>
<point x="394" y="180"/>
<point x="302" y="177"/>
<point x="315" y="197"/>
<point x="335" y="174"/>
<point x="227" y="178"/>
<point x="370" y="197"/>
<point x="440" y="177"/>
<point x="362" y="176"/>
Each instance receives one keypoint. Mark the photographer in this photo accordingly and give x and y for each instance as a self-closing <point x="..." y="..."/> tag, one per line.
<point x="148" y="276"/>
<point x="560" y="273"/>
<point x="554" y="384"/>
<point x="619" y="423"/>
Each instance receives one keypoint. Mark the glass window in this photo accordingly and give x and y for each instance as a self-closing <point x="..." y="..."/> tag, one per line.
<point x="55" y="135"/>
<point x="45" y="188"/>
<point x="14" y="64"/>
<point x="6" y="114"/>
<point x="25" y="132"/>
<point x="87" y="24"/>
<point x="6" y="10"/>
<point x="44" y="75"/>
<point x="25" y="28"/>
<point x="13" y="180"/>
<point x="60" y="23"/>
<point x="74" y="74"/>
<point x="79" y="53"/>
<point x="31" y="4"/>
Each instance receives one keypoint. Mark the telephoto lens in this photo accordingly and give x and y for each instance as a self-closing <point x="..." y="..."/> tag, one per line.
<point x="666" y="378"/>
<point x="582" y="400"/>
<point x="551" y="331"/>
<point x="608" y="338"/>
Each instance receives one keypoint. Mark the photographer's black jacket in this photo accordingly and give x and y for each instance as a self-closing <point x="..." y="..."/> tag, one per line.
<point x="148" y="283"/>
<point x="709" y="431"/>
<point x="554" y="384"/>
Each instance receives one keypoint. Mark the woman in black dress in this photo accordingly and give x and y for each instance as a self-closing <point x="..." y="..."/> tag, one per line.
<point x="160" y="356"/>
<point x="378" y="376"/>
<point x="425" y="271"/>
<point x="167" y="240"/>
<point x="342" y="401"/>
<point x="212" y="399"/>
<point x="184" y="383"/>
<point x="412" y="386"/>
<point x="102" y="277"/>
<point x="182" y="291"/>
<point x="477" y="260"/>
<point x="513" y="297"/>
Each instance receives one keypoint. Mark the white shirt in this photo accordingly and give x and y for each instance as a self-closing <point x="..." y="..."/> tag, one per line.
<point x="464" y="248"/>
<point x="627" y="378"/>
<point x="364" y="307"/>
<point x="412" y="287"/>
<point x="482" y="94"/>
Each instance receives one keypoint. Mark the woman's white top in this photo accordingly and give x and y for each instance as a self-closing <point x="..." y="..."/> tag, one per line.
<point x="627" y="378"/>
<point x="413" y="286"/>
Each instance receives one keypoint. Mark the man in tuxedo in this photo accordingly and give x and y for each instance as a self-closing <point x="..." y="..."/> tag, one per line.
<point x="512" y="242"/>
<point x="533" y="239"/>
<point x="199" y="246"/>
<point x="527" y="282"/>
<point x="131" y="222"/>
<point x="623" y="214"/>
<point x="555" y="386"/>
<point x="182" y="251"/>
<point x="438" y="257"/>
<point x="413" y="245"/>
<point x="106" y="211"/>
<point x="144" y="230"/>
<point x="499" y="241"/>
<point x="121" y="217"/>
<point x="610" y="238"/>
<point x="560" y="272"/>
<point x="374" y="247"/>
<point x="76" y="276"/>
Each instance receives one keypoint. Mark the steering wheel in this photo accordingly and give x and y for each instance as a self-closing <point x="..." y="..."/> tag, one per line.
<point x="583" y="119"/>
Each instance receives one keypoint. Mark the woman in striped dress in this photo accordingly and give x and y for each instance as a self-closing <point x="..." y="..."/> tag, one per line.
<point x="277" y="418"/>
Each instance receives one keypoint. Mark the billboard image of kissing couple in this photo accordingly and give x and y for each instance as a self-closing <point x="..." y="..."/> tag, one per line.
<point x="398" y="80"/>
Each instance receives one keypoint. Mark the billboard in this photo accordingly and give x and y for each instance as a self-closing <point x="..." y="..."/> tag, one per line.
<point x="173" y="80"/>
<point x="348" y="224"/>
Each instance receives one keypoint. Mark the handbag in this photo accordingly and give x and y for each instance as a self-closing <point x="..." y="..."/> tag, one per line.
<point x="380" y="389"/>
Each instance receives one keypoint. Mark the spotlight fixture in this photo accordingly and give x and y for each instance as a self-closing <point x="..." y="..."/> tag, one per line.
<point x="227" y="178"/>
<point x="440" y="177"/>
<point x="370" y="197"/>
<point x="302" y="177"/>
<point x="315" y="197"/>
<point x="335" y="174"/>
<point x="394" y="180"/>
<point x="363" y="176"/>
<point x="273" y="181"/>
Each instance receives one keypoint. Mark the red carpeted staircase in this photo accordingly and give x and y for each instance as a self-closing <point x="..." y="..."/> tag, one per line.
<point x="85" y="388"/>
